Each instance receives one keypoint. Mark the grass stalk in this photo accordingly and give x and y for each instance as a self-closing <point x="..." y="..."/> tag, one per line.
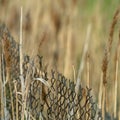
<point x="21" y="70"/>
<point x="68" y="53"/>
<point x="2" y="103"/>
<point x="106" y="59"/>
<point x="116" y="78"/>
<point x="74" y="73"/>
<point x="1" y="86"/>
<point x="115" y="89"/>
<point x="103" y="102"/>
<point x="11" y="97"/>
<point x="85" y="49"/>
<point x="100" y="92"/>
<point x="15" y="86"/>
<point x="4" y="90"/>
<point x="88" y="70"/>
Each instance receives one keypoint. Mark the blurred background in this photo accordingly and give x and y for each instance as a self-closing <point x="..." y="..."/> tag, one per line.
<point x="59" y="30"/>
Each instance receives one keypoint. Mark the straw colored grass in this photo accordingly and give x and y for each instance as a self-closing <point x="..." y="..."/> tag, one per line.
<point x="105" y="62"/>
<point x="49" y="29"/>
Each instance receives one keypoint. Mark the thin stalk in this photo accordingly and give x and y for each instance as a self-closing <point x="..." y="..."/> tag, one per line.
<point x="100" y="92"/>
<point x="115" y="89"/>
<point x="21" y="70"/>
<point x="88" y="81"/>
<point x="83" y="57"/>
<point x="103" y="102"/>
<point x="2" y="90"/>
<point x="15" y="86"/>
<point x="74" y="73"/>
<point x="88" y="70"/>
<point x="106" y="59"/>
<point x="13" y="114"/>
<point x="68" y="53"/>
<point x="116" y="78"/>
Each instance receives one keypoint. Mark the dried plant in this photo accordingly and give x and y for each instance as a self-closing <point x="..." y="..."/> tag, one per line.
<point x="39" y="96"/>
<point x="83" y="56"/>
<point x="105" y="61"/>
<point x="57" y="33"/>
<point x="116" y="77"/>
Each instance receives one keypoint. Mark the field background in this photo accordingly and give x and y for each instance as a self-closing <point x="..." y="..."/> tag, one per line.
<point x="58" y="29"/>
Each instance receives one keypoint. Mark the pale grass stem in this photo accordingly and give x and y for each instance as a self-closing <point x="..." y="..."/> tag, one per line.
<point x="21" y="70"/>
<point x="15" y="86"/>
<point x="116" y="78"/>
<point x="85" y="49"/>
<point x="68" y="53"/>
<point x="43" y="81"/>
<point x="103" y="101"/>
<point x="100" y="92"/>
<point x="88" y="78"/>
<point x="21" y="22"/>
<point x="88" y="70"/>
<point x="74" y="73"/>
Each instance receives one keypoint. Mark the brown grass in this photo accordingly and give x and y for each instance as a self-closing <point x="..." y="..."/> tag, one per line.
<point x="116" y="77"/>
<point x="49" y="28"/>
<point x="7" y="55"/>
<point x="106" y="59"/>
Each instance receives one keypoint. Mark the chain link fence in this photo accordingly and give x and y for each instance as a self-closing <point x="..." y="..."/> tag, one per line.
<point x="37" y="95"/>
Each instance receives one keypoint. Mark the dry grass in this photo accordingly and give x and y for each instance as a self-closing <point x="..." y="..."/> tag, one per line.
<point x="105" y="65"/>
<point x="116" y="78"/>
<point x="57" y="30"/>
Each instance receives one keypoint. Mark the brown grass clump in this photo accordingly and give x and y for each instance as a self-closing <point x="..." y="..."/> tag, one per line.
<point x="6" y="47"/>
<point x="108" y="47"/>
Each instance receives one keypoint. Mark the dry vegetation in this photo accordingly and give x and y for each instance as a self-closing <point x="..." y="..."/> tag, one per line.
<point x="72" y="37"/>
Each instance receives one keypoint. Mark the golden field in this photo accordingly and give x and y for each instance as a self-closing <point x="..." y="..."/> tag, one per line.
<point x="72" y="36"/>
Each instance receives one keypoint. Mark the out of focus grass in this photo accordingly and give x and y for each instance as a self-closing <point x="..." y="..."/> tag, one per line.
<point x="57" y="30"/>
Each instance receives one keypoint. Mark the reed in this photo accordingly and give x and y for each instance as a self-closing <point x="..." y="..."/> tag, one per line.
<point x="49" y="29"/>
<point x="106" y="59"/>
<point x="116" y="77"/>
<point x="85" y="49"/>
<point x="16" y="95"/>
<point x="68" y="53"/>
<point x="88" y="69"/>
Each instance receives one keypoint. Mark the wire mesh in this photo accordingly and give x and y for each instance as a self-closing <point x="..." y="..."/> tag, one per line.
<point x="58" y="101"/>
